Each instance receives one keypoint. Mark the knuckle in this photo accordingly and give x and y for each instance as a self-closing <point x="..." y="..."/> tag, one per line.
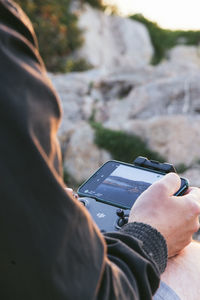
<point x="195" y="194"/>
<point x="196" y="226"/>
<point x="194" y="207"/>
<point x="197" y="191"/>
<point x="161" y="187"/>
<point x="174" y="176"/>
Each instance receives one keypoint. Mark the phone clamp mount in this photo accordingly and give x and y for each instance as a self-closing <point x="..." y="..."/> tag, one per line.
<point x="154" y="165"/>
<point x="111" y="218"/>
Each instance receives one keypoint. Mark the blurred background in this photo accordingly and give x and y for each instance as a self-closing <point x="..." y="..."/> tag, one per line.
<point x="127" y="73"/>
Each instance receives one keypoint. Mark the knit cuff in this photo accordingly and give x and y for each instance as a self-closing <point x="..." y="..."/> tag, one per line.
<point x="153" y="242"/>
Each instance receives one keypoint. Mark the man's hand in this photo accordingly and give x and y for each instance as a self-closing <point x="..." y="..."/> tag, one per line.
<point x="176" y="218"/>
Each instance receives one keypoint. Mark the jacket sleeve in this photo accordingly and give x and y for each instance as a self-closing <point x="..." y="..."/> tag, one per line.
<point x="50" y="248"/>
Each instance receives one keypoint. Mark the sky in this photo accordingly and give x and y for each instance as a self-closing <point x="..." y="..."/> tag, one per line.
<point x="136" y="174"/>
<point x="171" y="14"/>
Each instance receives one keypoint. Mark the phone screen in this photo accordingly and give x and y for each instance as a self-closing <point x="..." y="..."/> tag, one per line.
<point x="118" y="183"/>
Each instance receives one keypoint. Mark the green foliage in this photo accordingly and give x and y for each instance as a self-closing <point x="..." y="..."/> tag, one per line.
<point x="122" y="146"/>
<point x="69" y="180"/>
<point x="78" y="65"/>
<point x="66" y="177"/>
<point x="94" y="3"/>
<point x="181" y="168"/>
<point x="56" y="29"/>
<point x="164" y="39"/>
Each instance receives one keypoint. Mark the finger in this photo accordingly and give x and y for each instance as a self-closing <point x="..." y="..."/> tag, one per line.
<point x="168" y="185"/>
<point x="192" y="193"/>
<point x="191" y="201"/>
<point x="187" y="191"/>
<point x="69" y="189"/>
<point x="69" y="192"/>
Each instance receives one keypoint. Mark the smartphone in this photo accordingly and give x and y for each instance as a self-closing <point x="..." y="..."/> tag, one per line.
<point x="120" y="184"/>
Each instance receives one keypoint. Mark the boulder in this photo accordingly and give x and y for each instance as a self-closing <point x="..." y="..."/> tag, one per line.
<point x="161" y="104"/>
<point x="185" y="56"/>
<point x="75" y="90"/>
<point x="174" y="95"/>
<point x="163" y="111"/>
<point x="112" y="41"/>
<point x="177" y="137"/>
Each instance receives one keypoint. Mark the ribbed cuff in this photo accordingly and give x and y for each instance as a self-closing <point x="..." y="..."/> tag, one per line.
<point x="154" y="243"/>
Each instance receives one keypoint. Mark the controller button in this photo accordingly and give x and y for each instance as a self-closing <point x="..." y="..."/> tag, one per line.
<point x="122" y="221"/>
<point x="120" y="213"/>
<point x="84" y="202"/>
<point x="125" y="220"/>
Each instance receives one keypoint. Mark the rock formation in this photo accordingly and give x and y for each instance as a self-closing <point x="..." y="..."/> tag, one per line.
<point x="112" y="41"/>
<point x="124" y="92"/>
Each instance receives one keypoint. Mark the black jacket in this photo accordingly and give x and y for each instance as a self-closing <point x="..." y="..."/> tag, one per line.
<point x="49" y="245"/>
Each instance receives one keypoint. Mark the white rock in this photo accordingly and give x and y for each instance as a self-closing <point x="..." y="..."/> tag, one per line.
<point x="164" y="111"/>
<point x="176" y="137"/>
<point x="82" y="156"/>
<point x="185" y="56"/>
<point x="166" y="96"/>
<point x="161" y="104"/>
<point x="112" y="41"/>
<point x="74" y="90"/>
<point x="193" y="175"/>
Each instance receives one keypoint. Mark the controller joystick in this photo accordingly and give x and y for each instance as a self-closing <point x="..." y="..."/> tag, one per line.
<point x="123" y="219"/>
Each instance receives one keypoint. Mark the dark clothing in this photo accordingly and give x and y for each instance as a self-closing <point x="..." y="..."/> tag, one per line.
<point x="49" y="245"/>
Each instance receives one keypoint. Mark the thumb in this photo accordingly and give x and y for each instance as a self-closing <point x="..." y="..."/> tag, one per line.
<point x="167" y="186"/>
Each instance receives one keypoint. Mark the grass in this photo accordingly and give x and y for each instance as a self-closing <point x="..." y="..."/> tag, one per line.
<point x="122" y="146"/>
<point x="165" y="39"/>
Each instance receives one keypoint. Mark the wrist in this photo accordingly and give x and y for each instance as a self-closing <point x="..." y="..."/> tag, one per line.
<point x="154" y="244"/>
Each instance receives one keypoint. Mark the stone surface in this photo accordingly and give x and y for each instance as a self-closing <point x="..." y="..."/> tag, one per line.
<point x="159" y="103"/>
<point x="193" y="175"/>
<point x="164" y="111"/>
<point x="82" y="157"/>
<point x="112" y="41"/>
<point x="165" y="96"/>
<point x="177" y="137"/>
<point x="74" y="90"/>
<point x="185" y="55"/>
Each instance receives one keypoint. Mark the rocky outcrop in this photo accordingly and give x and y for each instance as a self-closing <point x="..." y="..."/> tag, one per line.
<point x="160" y="103"/>
<point x="185" y="55"/>
<point x="176" y="137"/>
<point x="163" y="112"/>
<point x="112" y="42"/>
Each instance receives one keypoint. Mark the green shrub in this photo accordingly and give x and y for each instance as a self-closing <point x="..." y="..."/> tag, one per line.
<point x="181" y="168"/>
<point x="78" y="65"/>
<point x="123" y="146"/>
<point x="66" y="177"/>
<point x="56" y="29"/>
<point x="69" y="180"/>
<point x="164" y="39"/>
<point x="94" y="3"/>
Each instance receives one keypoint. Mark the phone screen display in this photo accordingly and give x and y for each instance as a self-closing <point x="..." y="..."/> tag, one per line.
<point x="119" y="184"/>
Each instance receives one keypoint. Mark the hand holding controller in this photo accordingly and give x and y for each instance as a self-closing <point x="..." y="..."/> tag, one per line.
<point x="112" y="190"/>
<point x="176" y="218"/>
